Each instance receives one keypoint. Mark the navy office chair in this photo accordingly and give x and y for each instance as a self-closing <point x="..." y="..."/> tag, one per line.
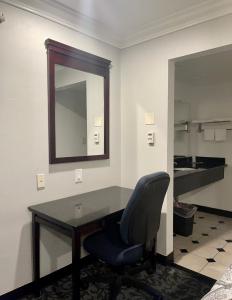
<point x="133" y="239"/>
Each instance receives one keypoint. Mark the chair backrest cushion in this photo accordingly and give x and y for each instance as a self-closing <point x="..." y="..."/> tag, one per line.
<point x="141" y="218"/>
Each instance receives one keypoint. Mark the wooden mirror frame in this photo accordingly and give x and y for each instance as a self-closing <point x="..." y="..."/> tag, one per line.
<point x="61" y="54"/>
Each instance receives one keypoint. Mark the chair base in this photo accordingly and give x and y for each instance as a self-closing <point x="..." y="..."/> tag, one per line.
<point x="123" y="276"/>
<point x="131" y="282"/>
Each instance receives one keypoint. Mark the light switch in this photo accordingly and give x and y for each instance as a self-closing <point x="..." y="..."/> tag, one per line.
<point x="149" y="118"/>
<point x="78" y="175"/>
<point x="98" y="121"/>
<point x="40" y="181"/>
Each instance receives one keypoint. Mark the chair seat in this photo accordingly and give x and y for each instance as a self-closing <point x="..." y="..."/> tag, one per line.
<point x="108" y="246"/>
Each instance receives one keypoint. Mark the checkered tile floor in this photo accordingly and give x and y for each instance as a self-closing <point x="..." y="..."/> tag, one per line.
<point x="209" y="249"/>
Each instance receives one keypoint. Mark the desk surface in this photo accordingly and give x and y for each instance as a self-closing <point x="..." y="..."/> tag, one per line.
<point x="85" y="208"/>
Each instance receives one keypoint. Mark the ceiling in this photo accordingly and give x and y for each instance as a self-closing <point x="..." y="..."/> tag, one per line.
<point x="205" y="70"/>
<point x="128" y="17"/>
<point x="123" y="23"/>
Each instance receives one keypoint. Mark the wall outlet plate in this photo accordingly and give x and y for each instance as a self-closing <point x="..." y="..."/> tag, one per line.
<point x="151" y="138"/>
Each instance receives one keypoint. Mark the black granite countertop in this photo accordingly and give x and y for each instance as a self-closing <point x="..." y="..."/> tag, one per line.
<point x="179" y="173"/>
<point x="207" y="170"/>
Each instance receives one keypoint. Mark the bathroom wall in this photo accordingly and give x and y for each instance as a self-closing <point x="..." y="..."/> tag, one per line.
<point x="208" y="101"/>
<point x="182" y="111"/>
<point x="24" y="142"/>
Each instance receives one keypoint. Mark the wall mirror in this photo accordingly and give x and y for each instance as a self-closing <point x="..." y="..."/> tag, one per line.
<point x="78" y="85"/>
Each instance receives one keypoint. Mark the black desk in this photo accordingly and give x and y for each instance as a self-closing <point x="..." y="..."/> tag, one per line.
<point x="69" y="216"/>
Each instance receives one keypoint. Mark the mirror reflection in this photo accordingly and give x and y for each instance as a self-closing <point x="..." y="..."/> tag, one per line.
<point x="79" y="112"/>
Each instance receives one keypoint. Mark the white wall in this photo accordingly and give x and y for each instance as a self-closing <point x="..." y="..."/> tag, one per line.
<point x="71" y="122"/>
<point x="147" y="85"/>
<point x="208" y="101"/>
<point x="70" y="112"/>
<point x="24" y="142"/>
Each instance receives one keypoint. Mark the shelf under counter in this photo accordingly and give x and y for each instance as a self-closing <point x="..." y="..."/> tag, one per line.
<point x="189" y="180"/>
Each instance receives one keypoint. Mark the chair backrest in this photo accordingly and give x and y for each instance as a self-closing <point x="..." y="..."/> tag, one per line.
<point x="141" y="218"/>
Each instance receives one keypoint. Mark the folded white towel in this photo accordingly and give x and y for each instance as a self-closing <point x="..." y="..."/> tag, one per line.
<point x="220" y="135"/>
<point x="209" y="134"/>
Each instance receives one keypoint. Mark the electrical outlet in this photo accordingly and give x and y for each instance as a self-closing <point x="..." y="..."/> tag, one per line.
<point x="78" y="175"/>
<point x="151" y="138"/>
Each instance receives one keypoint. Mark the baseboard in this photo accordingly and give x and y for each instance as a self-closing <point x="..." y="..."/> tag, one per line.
<point x="44" y="281"/>
<point x="215" y="211"/>
<point x="165" y="259"/>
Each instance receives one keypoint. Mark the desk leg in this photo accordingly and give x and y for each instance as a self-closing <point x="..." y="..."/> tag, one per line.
<point x="76" y="261"/>
<point x="36" y="252"/>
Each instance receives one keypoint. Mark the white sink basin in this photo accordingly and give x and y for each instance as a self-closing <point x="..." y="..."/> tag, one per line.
<point x="184" y="169"/>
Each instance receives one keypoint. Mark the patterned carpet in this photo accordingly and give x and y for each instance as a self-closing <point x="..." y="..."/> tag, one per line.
<point x="174" y="284"/>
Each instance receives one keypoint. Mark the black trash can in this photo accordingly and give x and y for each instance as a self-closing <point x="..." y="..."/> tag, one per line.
<point x="183" y="218"/>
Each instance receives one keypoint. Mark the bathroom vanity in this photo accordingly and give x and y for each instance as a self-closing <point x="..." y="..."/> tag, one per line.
<point x="189" y="175"/>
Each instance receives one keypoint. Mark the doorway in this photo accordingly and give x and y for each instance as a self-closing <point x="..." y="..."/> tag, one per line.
<point x="202" y="160"/>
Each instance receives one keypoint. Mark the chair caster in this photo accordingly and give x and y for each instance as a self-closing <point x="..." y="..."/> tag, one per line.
<point x="150" y="268"/>
<point x="84" y="284"/>
<point x="150" y="271"/>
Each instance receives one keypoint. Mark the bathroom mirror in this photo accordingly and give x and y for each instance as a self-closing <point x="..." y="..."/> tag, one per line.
<point x="78" y="104"/>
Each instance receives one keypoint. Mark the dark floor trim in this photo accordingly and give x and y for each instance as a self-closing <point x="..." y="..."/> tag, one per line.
<point x="196" y="275"/>
<point x="44" y="281"/>
<point x="165" y="260"/>
<point x="215" y="211"/>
